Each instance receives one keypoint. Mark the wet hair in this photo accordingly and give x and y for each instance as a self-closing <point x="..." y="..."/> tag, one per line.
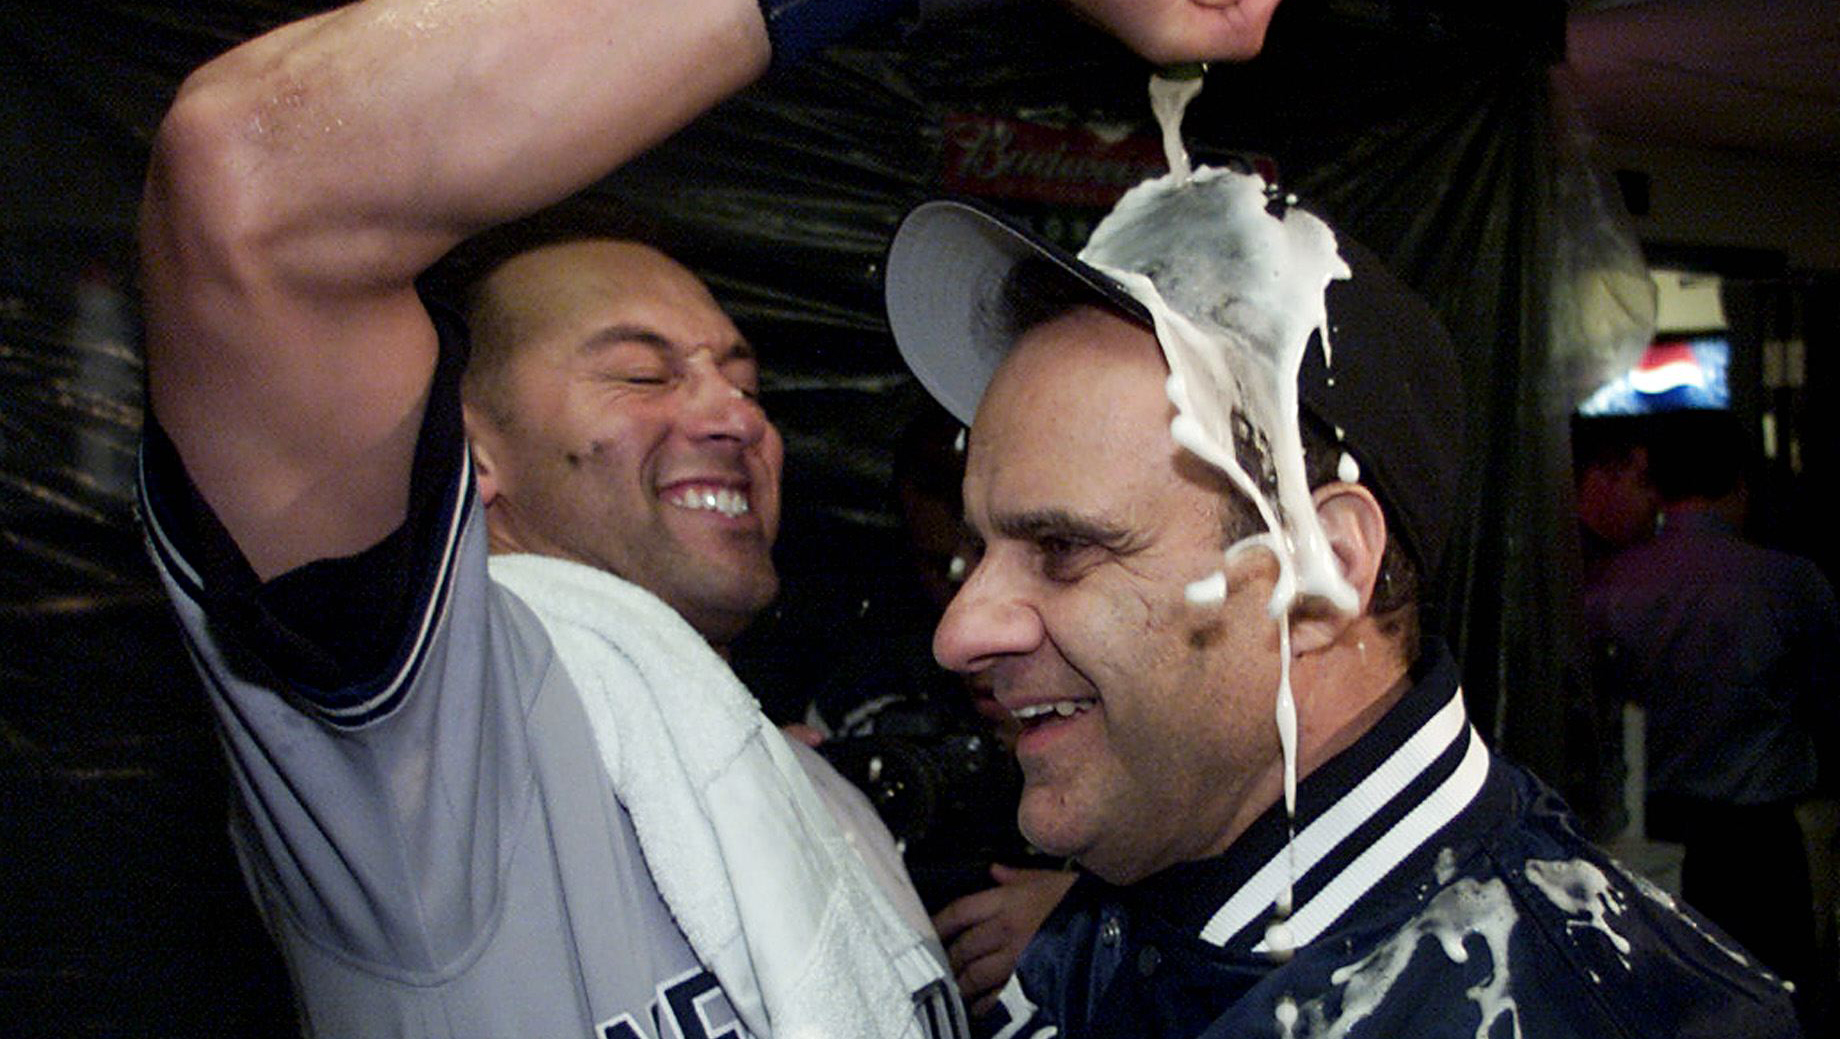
<point x="1037" y="291"/>
<point x="1394" y="604"/>
<point x="457" y="276"/>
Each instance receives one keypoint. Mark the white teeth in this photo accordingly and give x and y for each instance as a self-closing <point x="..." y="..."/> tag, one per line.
<point x="727" y="501"/>
<point x="1064" y="708"/>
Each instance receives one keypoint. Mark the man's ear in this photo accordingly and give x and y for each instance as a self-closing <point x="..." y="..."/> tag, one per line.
<point x="481" y="439"/>
<point x="1355" y="527"/>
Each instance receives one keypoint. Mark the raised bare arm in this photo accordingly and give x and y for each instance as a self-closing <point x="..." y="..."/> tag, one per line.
<point x="302" y="181"/>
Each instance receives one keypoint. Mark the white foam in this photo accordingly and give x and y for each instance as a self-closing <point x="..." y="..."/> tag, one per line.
<point x="1235" y="291"/>
<point x="1348" y="470"/>
<point x="1446" y="866"/>
<point x="1466" y="909"/>
<point x="1287" y="730"/>
<point x="1278" y="940"/>
<point x="1169" y="98"/>
<point x="1578" y="887"/>
<point x="1286" y="1013"/>
<point x="1209" y="591"/>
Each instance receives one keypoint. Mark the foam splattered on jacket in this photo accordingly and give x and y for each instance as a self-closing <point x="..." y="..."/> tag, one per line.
<point x="1440" y="892"/>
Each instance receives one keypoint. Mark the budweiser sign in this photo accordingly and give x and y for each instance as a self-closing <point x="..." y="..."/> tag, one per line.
<point x="1070" y="166"/>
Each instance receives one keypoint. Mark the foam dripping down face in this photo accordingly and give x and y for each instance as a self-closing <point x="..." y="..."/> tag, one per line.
<point x="1235" y="291"/>
<point x="1236" y="284"/>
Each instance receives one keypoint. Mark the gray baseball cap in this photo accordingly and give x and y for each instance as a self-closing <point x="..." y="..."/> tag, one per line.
<point x="1394" y="395"/>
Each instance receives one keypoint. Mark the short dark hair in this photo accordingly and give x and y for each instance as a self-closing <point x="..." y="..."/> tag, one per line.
<point x="1394" y="605"/>
<point x="457" y="276"/>
<point x="458" y="281"/>
<point x="1606" y="440"/>
<point x="1697" y="454"/>
<point x="1036" y="292"/>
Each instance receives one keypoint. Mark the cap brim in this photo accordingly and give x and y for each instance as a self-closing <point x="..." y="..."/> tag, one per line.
<point x="1393" y="398"/>
<point x="946" y="272"/>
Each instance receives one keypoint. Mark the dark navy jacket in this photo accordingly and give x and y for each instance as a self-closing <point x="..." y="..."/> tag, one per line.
<point x="1440" y="892"/>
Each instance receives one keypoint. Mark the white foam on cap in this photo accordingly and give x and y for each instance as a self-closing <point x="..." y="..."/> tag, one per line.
<point x="1235" y="293"/>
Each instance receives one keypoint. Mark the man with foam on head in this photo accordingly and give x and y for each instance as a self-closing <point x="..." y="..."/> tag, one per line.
<point x="1211" y="461"/>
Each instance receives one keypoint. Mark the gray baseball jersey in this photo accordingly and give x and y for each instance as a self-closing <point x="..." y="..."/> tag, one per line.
<point x="422" y="814"/>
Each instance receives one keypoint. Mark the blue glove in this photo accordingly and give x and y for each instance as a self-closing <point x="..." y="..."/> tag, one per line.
<point x="798" y="27"/>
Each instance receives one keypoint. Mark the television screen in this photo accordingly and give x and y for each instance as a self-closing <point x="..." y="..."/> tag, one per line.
<point x="1673" y="375"/>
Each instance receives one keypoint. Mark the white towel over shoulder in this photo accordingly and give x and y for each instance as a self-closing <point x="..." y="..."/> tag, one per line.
<point x="766" y="888"/>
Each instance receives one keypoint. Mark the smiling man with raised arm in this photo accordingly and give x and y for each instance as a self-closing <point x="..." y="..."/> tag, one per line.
<point x="535" y="803"/>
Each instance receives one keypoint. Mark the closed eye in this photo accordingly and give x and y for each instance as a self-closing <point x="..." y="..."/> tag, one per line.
<point x="1066" y="558"/>
<point x="637" y="382"/>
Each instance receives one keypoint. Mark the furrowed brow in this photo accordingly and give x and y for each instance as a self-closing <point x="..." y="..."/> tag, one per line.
<point x="1036" y="525"/>
<point x="616" y="335"/>
<point x="642" y="335"/>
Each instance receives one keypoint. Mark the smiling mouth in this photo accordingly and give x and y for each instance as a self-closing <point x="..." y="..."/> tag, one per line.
<point x="1042" y="713"/>
<point x="727" y="501"/>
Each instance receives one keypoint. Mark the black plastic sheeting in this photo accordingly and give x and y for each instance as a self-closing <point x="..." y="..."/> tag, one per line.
<point x="1427" y="130"/>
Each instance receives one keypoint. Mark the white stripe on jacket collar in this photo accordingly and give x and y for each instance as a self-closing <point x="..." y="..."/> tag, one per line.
<point x="1252" y="903"/>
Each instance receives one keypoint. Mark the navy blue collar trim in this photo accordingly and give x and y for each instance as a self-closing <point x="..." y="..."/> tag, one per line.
<point x="389" y="598"/>
<point x="1359" y="816"/>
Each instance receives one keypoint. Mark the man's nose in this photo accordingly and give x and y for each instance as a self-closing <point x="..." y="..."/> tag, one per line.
<point x="987" y="621"/>
<point x="719" y="409"/>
